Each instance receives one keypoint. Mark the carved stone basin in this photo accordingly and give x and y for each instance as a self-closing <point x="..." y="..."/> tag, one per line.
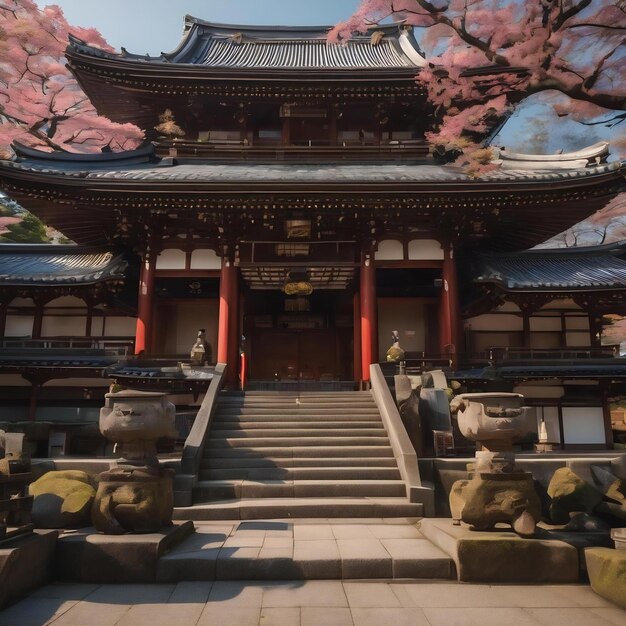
<point x="135" y="420"/>
<point x="494" y="419"/>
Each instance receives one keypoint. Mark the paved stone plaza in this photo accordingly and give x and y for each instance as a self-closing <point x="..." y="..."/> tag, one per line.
<point x="313" y="603"/>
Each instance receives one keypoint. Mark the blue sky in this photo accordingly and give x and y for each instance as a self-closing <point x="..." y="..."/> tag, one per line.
<point x="155" y="26"/>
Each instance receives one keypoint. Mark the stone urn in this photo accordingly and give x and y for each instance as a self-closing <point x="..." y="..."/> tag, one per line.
<point x="136" y="494"/>
<point x="496" y="491"/>
<point x="135" y="420"/>
<point x="495" y="420"/>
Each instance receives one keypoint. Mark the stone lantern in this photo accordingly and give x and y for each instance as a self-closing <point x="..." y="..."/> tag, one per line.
<point x="497" y="491"/>
<point x="135" y="494"/>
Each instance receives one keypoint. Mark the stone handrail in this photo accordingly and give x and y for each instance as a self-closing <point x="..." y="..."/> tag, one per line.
<point x="194" y="445"/>
<point x="417" y="490"/>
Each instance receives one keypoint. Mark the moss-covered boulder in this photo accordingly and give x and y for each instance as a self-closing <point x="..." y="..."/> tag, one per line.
<point x="570" y="494"/>
<point x="607" y="573"/>
<point x="62" y="499"/>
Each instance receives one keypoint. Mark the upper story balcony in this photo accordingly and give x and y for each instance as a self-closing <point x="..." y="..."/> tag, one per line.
<point x="305" y="152"/>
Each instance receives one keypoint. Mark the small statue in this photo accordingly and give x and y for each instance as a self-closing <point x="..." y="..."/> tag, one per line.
<point x="395" y="353"/>
<point x="201" y="350"/>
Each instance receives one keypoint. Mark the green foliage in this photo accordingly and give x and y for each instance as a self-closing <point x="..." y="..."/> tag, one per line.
<point x="29" y="230"/>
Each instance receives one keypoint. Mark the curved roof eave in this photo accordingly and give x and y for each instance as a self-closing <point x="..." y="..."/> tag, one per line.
<point x="406" y="51"/>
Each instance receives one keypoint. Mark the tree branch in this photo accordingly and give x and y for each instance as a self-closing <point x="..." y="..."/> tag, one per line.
<point x="589" y="82"/>
<point x="566" y="15"/>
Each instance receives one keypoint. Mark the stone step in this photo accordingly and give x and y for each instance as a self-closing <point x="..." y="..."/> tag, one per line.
<point x="300" y="550"/>
<point x="296" y="432"/>
<point x="297" y="451"/>
<point x="221" y="418"/>
<point x="286" y="395"/>
<point x="271" y="442"/>
<point x="278" y="463"/>
<point x="237" y="488"/>
<point x="266" y="508"/>
<point x="333" y="472"/>
<point x="296" y="406"/>
<point x="294" y="410"/>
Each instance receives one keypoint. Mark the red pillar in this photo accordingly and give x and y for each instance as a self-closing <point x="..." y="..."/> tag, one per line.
<point x="145" y="305"/>
<point x="356" y="307"/>
<point x="450" y="318"/>
<point x="228" y="323"/>
<point x="369" y="315"/>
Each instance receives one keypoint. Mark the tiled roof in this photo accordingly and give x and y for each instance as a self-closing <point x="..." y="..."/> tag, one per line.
<point x="57" y="265"/>
<point x="278" y="47"/>
<point x="303" y="54"/>
<point x="598" y="267"/>
<point x="168" y="170"/>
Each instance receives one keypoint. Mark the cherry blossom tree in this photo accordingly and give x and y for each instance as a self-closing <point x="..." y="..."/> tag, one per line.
<point x="41" y="104"/>
<point x="605" y="226"/>
<point x="484" y="56"/>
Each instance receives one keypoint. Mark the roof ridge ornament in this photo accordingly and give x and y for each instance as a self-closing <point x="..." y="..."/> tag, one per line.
<point x="377" y="37"/>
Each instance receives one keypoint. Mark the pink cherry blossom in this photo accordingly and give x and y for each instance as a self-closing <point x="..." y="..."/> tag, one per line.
<point x="577" y="47"/>
<point x="41" y="104"/>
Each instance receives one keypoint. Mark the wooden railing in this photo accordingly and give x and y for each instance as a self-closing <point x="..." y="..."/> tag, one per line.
<point x="497" y="355"/>
<point x="301" y="153"/>
<point x="110" y="346"/>
<point x="416" y="362"/>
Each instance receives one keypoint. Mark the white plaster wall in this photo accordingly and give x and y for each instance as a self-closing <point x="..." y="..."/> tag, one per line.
<point x="561" y="303"/>
<point x="546" y="341"/>
<point x="545" y="323"/>
<point x="181" y="325"/>
<point x="583" y="425"/>
<point x="540" y="391"/>
<point x="57" y="326"/>
<point x="21" y="302"/>
<point x="482" y="341"/>
<point x="425" y="250"/>
<point x="577" y="322"/>
<point x="389" y="250"/>
<point x="406" y="315"/>
<point x="578" y="339"/>
<point x="13" y="380"/>
<point x="171" y="259"/>
<point x="78" y="382"/>
<point x="204" y="259"/>
<point x="120" y="326"/>
<point x="508" y="307"/>
<point x="71" y="302"/>
<point x="19" y="326"/>
<point x="491" y="322"/>
<point x="96" y="326"/>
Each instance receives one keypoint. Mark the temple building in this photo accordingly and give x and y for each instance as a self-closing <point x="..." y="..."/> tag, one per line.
<point x="286" y="194"/>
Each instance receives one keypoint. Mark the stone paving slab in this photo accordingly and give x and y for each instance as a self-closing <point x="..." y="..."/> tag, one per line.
<point x="305" y="549"/>
<point x="314" y="603"/>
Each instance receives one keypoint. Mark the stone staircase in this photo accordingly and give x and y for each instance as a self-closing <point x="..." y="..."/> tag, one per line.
<point x="286" y="455"/>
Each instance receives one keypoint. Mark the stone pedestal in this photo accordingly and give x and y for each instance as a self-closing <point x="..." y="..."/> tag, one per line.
<point x="135" y="499"/>
<point x="489" y="498"/>
<point x="25" y="564"/>
<point x="500" y="556"/>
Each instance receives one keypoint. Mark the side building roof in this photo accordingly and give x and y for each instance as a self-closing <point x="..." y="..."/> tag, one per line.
<point x="57" y="265"/>
<point x="561" y="269"/>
